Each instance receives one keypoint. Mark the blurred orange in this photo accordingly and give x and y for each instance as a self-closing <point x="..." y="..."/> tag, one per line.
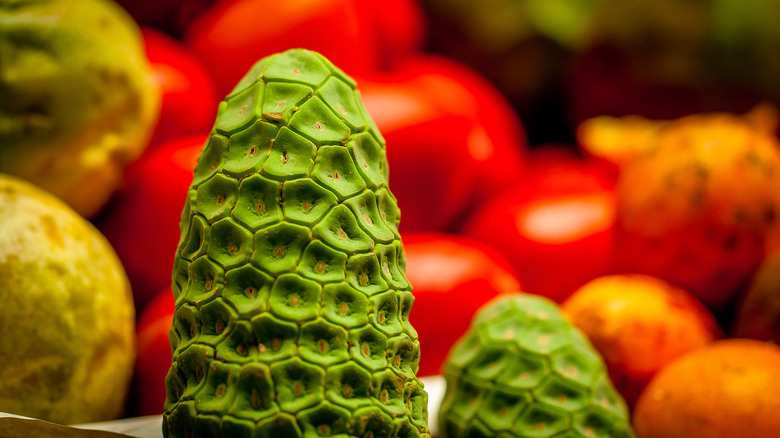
<point x="727" y="389"/>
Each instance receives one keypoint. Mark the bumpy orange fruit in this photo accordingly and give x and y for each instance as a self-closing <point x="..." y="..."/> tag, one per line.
<point x="727" y="389"/>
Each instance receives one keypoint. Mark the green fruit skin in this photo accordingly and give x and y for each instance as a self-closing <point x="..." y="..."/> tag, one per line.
<point x="78" y="101"/>
<point x="292" y="306"/>
<point x="67" y="327"/>
<point x="522" y="370"/>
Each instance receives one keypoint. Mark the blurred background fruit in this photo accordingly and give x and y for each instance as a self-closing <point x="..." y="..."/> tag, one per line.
<point x="697" y="210"/>
<point x="67" y="317"/>
<point x="722" y="390"/>
<point x="400" y="29"/>
<point x="142" y="221"/>
<point x="189" y="97"/>
<point x="231" y="36"/>
<point x="147" y="394"/>
<point x="639" y="324"/>
<point x="78" y="102"/>
<point x="452" y="277"/>
<point x="616" y="141"/>
<point x="497" y="142"/>
<point x="555" y="226"/>
<point x="452" y="140"/>
<point x="432" y="172"/>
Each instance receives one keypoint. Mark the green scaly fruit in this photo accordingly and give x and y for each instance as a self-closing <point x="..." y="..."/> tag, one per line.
<point x="292" y="306"/>
<point x="522" y="370"/>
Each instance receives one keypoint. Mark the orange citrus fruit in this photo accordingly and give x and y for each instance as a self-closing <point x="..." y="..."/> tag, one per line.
<point x="727" y="389"/>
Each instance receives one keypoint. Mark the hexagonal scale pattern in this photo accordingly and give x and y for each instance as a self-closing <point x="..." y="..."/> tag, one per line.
<point x="522" y="370"/>
<point x="292" y="304"/>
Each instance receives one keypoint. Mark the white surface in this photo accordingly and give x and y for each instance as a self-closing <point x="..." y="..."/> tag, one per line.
<point x="151" y="426"/>
<point x="140" y="427"/>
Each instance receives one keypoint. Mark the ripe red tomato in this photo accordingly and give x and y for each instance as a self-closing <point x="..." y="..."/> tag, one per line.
<point x="142" y="223"/>
<point x="452" y="277"/>
<point x="400" y="27"/>
<point x="189" y="97"/>
<point x="153" y="356"/>
<point x="234" y="34"/>
<point x="556" y="227"/>
<point x="431" y="167"/>
<point x="498" y="142"/>
<point x="452" y="141"/>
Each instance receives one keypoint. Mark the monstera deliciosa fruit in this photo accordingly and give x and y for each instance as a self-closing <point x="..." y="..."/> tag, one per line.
<point x="523" y="370"/>
<point x="292" y="306"/>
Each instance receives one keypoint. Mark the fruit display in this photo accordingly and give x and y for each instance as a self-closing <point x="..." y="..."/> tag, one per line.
<point x="67" y="319"/>
<point x="228" y="40"/>
<point x="523" y="370"/>
<point x="278" y="182"/>
<point x="78" y="102"/>
<point x="292" y="307"/>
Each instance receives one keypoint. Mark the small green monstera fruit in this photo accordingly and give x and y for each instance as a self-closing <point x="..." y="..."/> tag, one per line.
<point x="522" y="370"/>
<point x="292" y="306"/>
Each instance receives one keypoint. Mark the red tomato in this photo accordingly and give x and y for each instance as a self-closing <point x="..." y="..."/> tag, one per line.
<point x="452" y="277"/>
<point x="233" y="35"/>
<point x="431" y="168"/>
<point x="189" y="97"/>
<point x="498" y="142"/>
<point x="400" y="28"/>
<point x="556" y="226"/>
<point x="142" y="222"/>
<point x="452" y="141"/>
<point x="153" y="357"/>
